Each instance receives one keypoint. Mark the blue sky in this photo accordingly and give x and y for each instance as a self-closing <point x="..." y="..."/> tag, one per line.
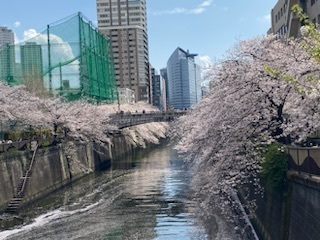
<point x="206" y="27"/>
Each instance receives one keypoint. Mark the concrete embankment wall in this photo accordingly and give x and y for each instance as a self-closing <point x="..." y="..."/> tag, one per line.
<point x="55" y="167"/>
<point x="305" y="207"/>
<point x="293" y="213"/>
<point x="11" y="169"/>
<point x="269" y="217"/>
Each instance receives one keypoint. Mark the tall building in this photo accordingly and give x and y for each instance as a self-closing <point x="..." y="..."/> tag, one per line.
<point x="155" y="88"/>
<point x="6" y="36"/>
<point x="7" y="54"/>
<point x="165" y="94"/>
<point x="184" y="80"/>
<point x="31" y="61"/>
<point x="125" y="23"/>
<point x="286" y="24"/>
<point x="163" y="100"/>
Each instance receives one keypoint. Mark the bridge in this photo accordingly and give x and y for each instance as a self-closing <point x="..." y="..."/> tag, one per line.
<point x="123" y="120"/>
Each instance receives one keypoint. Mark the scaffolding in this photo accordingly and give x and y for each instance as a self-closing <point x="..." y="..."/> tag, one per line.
<point x="69" y="59"/>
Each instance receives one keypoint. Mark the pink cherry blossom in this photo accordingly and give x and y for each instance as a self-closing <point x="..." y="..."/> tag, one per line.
<point x="266" y="90"/>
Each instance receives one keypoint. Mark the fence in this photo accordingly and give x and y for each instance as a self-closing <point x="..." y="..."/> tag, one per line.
<point x="304" y="159"/>
<point x="123" y="120"/>
<point x="70" y="58"/>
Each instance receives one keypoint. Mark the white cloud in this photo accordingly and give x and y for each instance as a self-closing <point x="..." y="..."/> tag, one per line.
<point x="173" y="11"/>
<point x="17" y="24"/>
<point x="16" y="39"/>
<point x="265" y="19"/>
<point x="206" y="64"/>
<point x="95" y="23"/>
<point x="205" y="61"/>
<point x="30" y="33"/>
<point x="177" y="10"/>
<point x="197" y="10"/>
<point x="206" y="3"/>
<point x="60" y="52"/>
<point x="27" y="34"/>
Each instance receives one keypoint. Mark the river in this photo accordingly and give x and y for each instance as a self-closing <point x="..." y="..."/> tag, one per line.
<point x="143" y="196"/>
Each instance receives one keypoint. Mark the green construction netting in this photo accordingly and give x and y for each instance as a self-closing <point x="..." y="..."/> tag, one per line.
<point x="70" y="59"/>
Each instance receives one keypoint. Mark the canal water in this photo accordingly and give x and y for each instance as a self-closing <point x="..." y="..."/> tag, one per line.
<point x="144" y="196"/>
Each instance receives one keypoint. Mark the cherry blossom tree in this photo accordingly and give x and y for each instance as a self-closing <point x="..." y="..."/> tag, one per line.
<point x="78" y="120"/>
<point x="19" y="106"/>
<point x="267" y="90"/>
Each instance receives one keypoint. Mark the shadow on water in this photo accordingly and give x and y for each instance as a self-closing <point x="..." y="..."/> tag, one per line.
<point x="143" y="196"/>
<point x="70" y="193"/>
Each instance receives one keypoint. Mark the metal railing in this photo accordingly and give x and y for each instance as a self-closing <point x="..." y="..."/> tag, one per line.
<point x="27" y="174"/>
<point x="123" y="120"/>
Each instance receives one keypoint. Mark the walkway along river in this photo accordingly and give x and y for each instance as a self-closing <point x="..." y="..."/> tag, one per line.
<point x="145" y="196"/>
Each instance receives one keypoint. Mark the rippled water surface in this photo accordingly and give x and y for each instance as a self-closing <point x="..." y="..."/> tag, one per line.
<point x="145" y="196"/>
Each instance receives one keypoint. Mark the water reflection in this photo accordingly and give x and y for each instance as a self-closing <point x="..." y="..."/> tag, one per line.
<point x="176" y="219"/>
<point x="145" y="196"/>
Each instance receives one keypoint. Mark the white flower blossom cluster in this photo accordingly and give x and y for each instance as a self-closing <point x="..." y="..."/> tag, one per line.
<point x="266" y="91"/>
<point x="78" y="120"/>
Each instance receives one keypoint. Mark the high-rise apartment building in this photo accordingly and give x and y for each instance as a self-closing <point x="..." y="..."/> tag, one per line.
<point x="31" y="61"/>
<point x="6" y="36"/>
<point x="124" y="22"/>
<point x="286" y="24"/>
<point x="7" y="54"/>
<point x="184" y="80"/>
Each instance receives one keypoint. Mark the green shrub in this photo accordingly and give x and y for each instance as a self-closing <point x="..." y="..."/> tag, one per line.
<point x="16" y="135"/>
<point x="274" y="166"/>
<point x="12" y="135"/>
<point x="45" y="143"/>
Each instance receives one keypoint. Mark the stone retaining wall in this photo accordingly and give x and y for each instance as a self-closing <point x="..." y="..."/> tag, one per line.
<point x="55" y="166"/>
